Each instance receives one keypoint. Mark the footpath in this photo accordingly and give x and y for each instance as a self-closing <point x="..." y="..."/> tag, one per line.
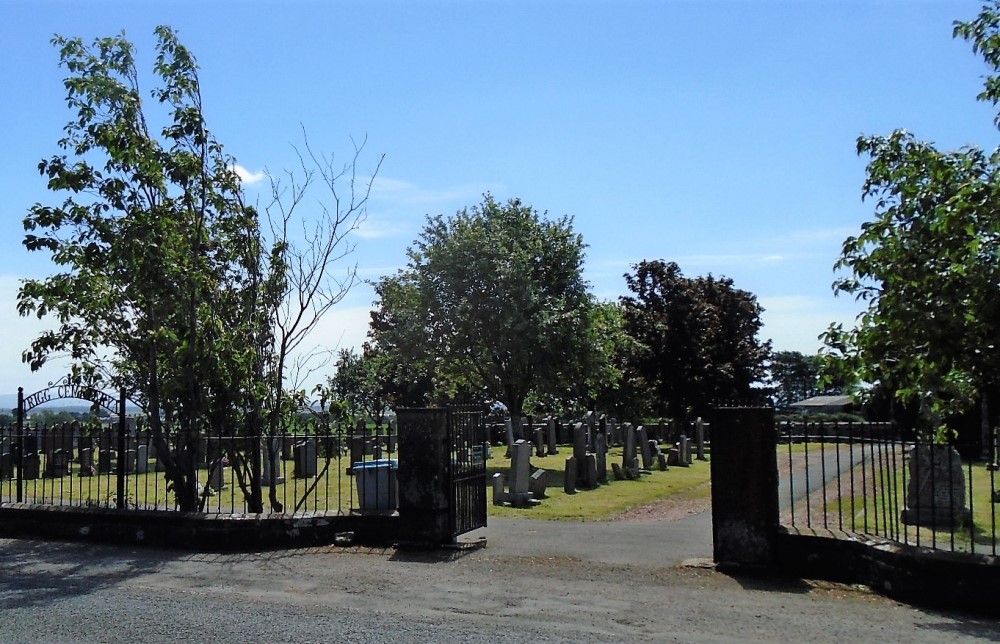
<point x="533" y="581"/>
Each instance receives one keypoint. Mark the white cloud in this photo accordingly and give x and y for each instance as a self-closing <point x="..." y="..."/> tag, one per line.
<point x="246" y="176"/>
<point x="378" y="226"/>
<point x="794" y="322"/>
<point x="406" y="193"/>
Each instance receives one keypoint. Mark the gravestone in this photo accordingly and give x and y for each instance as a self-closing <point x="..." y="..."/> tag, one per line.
<point x="104" y="461"/>
<point x="509" y="428"/>
<point x="131" y="461"/>
<point x="539" y="442"/>
<point x="551" y="435"/>
<point x="601" y="456"/>
<point x="520" y="473"/>
<point x="580" y="451"/>
<point x="647" y="455"/>
<point x="30" y="467"/>
<point x="304" y="454"/>
<point x="272" y="461"/>
<point x="86" y="458"/>
<point x="935" y="493"/>
<point x="141" y="458"/>
<point x="629" y="461"/>
<point x="539" y="481"/>
<point x="619" y="473"/>
<point x="57" y="463"/>
<point x="499" y="491"/>
<point x="683" y="451"/>
<point x="357" y="448"/>
<point x="569" y="478"/>
<point x="391" y="438"/>
<point x="590" y="471"/>
<point x="699" y="428"/>
<point x="217" y="475"/>
<point x="564" y="433"/>
<point x="6" y="460"/>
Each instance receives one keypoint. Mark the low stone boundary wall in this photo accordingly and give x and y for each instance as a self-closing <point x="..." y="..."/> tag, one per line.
<point x="193" y="531"/>
<point x="907" y="573"/>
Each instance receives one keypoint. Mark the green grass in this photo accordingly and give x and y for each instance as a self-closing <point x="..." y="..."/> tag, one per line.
<point x="874" y="506"/>
<point x="333" y="492"/>
<point x="606" y="501"/>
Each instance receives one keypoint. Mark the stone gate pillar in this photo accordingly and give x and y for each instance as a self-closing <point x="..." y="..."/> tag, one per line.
<point x="744" y="485"/>
<point x="424" y="497"/>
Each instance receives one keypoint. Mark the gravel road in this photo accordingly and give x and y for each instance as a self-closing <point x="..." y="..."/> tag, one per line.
<point x="534" y="581"/>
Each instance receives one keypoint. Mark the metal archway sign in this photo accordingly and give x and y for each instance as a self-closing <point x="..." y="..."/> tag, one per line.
<point x="64" y="389"/>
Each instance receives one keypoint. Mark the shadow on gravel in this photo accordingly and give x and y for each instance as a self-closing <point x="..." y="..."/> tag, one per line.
<point x="769" y="583"/>
<point x="963" y="624"/>
<point x="36" y="573"/>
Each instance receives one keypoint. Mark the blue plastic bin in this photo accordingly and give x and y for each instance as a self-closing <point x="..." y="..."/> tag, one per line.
<point x="376" y="484"/>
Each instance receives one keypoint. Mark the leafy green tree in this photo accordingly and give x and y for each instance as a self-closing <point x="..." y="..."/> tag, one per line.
<point x="793" y="376"/>
<point x="362" y="382"/>
<point x="927" y="266"/>
<point x="168" y="286"/>
<point x="697" y="339"/>
<point x="492" y="304"/>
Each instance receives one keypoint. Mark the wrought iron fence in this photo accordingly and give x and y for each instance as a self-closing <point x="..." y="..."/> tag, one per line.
<point x="870" y="479"/>
<point x="316" y="468"/>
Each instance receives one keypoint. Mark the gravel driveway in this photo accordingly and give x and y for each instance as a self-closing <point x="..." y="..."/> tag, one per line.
<point x="622" y="581"/>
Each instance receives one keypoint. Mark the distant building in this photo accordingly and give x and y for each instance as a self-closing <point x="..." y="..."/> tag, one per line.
<point x="824" y="405"/>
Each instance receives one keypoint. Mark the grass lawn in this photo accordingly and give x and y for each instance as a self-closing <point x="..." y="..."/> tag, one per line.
<point x="605" y="501"/>
<point x="872" y="497"/>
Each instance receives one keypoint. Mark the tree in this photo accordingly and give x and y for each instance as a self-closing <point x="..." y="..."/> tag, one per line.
<point x="169" y="287"/>
<point x="697" y="339"/>
<point x="492" y="304"/>
<point x="362" y="382"/>
<point x="794" y="377"/>
<point x="927" y="266"/>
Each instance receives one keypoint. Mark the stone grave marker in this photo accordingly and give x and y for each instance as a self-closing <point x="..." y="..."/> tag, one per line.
<point x="304" y="454"/>
<point x="141" y="458"/>
<point x="699" y="428"/>
<point x="629" y="460"/>
<point x="272" y="461"/>
<point x="539" y="442"/>
<point x="86" y="458"/>
<point x="551" y="435"/>
<point x="499" y="491"/>
<point x="569" y="479"/>
<point x="601" y="456"/>
<point x="647" y="455"/>
<point x="539" y="481"/>
<point x="520" y="473"/>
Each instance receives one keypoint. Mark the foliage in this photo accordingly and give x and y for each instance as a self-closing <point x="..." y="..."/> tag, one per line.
<point x="492" y="305"/>
<point x="168" y="287"/>
<point x="362" y="383"/>
<point x="927" y="266"/>
<point x="697" y="337"/>
<point x="793" y="377"/>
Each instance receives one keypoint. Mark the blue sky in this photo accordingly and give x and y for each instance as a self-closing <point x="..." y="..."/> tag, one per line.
<point x="720" y="135"/>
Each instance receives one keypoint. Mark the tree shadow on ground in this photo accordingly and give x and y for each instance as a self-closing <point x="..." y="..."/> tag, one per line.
<point x="36" y="573"/>
<point x="961" y="623"/>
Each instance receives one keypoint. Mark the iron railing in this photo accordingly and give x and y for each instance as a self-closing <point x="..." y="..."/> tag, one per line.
<point x="317" y="468"/>
<point x="870" y="479"/>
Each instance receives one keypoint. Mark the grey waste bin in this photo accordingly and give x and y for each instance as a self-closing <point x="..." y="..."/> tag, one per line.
<point x="376" y="484"/>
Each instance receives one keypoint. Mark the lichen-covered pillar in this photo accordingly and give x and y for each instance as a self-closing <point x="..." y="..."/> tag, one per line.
<point x="423" y="477"/>
<point x="744" y="486"/>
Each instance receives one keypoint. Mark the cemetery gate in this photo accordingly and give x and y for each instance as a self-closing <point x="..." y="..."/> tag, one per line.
<point x="468" y="448"/>
<point x="26" y="448"/>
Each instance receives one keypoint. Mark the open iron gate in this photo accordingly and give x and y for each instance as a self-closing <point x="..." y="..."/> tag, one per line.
<point x="467" y="468"/>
